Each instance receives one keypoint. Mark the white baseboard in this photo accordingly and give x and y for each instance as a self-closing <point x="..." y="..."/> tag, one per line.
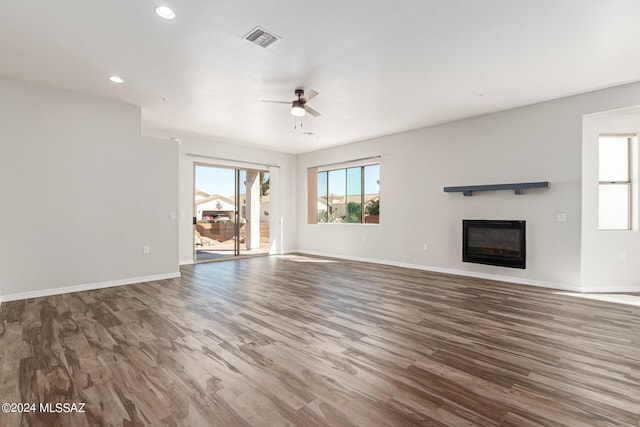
<point x="612" y="289"/>
<point x="508" y="279"/>
<point x="186" y="262"/>
<point x="87" y="287"/>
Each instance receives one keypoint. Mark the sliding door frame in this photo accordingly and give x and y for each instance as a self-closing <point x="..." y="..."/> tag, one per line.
<point x="237" y="172"/>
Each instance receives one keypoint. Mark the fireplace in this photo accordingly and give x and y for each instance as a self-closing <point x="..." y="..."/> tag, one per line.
<point x="494" y="242"/>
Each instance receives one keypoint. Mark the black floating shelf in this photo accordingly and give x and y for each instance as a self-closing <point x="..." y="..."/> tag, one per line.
<point x="517" y="188"/>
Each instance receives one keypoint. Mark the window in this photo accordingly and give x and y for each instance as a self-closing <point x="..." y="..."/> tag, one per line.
<point x="615" y="176"/>
<point x="346" y="195"/>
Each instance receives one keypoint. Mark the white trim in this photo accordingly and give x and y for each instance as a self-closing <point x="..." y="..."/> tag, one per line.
<point x="508" y="279"/>
<point x="186" y="262"/>
<point x="611" y="289"/>
<point x="239" y="163"/>
<point x="366" y="161"/>
<point x="87" y="287"/>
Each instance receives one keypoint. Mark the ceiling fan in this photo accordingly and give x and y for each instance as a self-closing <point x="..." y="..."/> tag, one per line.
<point x="299" y="106"/>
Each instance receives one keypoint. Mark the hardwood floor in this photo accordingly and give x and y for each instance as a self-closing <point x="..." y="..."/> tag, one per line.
<point x="306" y="341"/>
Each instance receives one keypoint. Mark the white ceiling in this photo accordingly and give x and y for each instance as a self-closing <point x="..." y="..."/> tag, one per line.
<point x="380" y="66"/>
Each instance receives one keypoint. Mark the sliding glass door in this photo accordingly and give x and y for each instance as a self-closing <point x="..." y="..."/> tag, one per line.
<point x="231" y="212"/>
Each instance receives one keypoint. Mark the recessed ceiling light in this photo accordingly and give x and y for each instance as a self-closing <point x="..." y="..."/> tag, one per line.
<point x="116" y="79"/>
<point x="165" y="12"/>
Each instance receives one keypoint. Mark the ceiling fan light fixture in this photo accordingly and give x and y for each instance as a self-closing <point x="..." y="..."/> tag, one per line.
<point x="297" y="109"/>
<point x="165" y="12"/>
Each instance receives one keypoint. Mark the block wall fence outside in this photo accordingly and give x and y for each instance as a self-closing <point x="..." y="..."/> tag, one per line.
<point x="225" y="231"/>
<point x="219" y="231"/>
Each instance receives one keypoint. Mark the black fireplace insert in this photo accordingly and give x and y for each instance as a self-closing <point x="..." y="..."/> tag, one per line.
<point x="494" y="242"/>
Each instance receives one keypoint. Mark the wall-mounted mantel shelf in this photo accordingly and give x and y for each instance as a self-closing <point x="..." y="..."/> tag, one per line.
<point x="517" y="188"/>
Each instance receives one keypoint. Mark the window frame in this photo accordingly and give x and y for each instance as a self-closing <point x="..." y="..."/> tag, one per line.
<point x="628" y="182"/>
<point x="345" y="166"/>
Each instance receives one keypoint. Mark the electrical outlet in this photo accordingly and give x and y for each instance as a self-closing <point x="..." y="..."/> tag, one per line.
<point x="364" y="238"/>
<point x="173" y="215"/>
<point x="146" y="249"/>
<point x="425" y="247"/>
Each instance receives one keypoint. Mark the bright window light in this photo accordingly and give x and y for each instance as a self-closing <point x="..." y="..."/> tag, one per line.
<point x="615" y="186"/>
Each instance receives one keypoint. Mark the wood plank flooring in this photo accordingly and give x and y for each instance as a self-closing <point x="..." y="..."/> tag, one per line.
<point x="306" y="341"/>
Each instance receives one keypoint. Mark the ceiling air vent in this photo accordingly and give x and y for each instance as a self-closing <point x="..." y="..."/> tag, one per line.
<point x="261" y="37"/>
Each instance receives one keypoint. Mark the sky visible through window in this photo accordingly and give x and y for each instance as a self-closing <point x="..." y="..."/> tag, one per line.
<point x="371" y="179"/>
<point x="219" y="181"/>
<point x="214" y="180"/>
<point x="338" y="178"/>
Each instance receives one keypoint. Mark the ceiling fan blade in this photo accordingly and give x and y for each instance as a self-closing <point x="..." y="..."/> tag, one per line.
<point x="311" y="111"/>
<point x="308" y="96"/>
<point x="275" y="102"/>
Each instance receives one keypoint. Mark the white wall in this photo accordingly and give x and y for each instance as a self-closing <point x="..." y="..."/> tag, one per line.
<point x="224" y="153"/>
<point x="609" y="258"/>
<point x="102" y="191"/>
<point x="541" y="142"/>
<point x="82" y="192"/>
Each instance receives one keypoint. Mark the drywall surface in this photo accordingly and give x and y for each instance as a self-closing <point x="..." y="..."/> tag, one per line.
<point x="82" y="193"/>
<point x="541" y="142"/>
<point x="609" y="258"/>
